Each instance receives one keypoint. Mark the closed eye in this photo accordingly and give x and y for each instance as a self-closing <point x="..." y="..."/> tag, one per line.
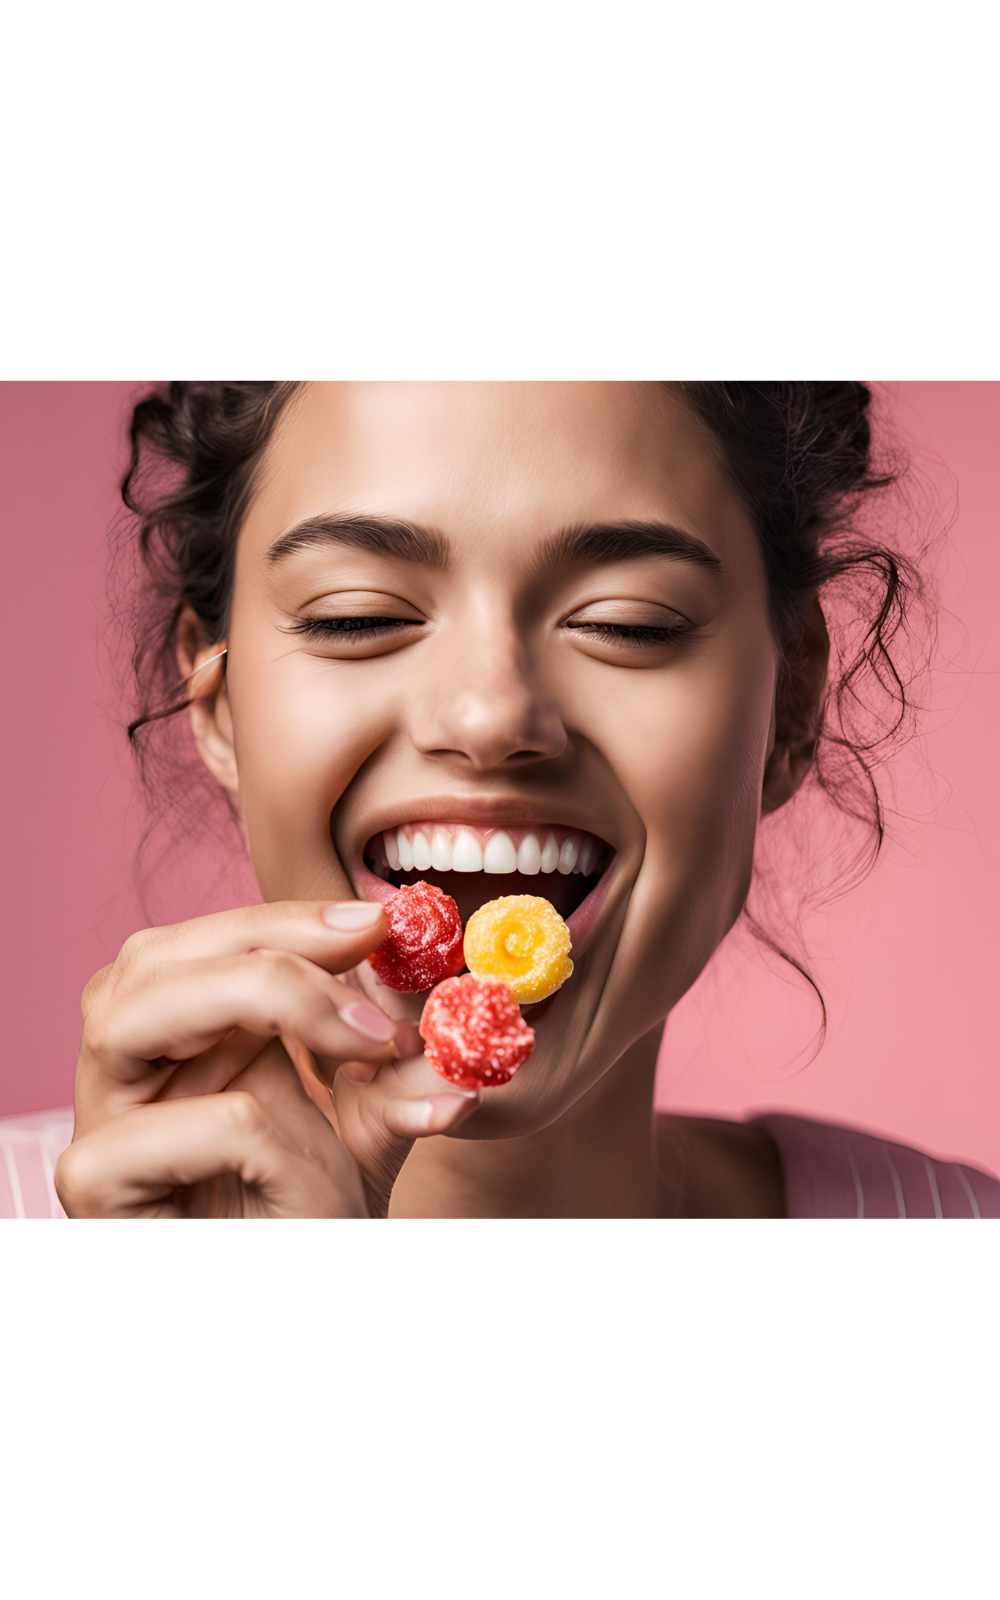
<point x="359" y="630"/>
<point x="356" y="629"/>
<point x="632" y="633"/>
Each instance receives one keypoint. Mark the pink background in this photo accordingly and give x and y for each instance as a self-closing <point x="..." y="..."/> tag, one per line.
<point x="908" y="962"/>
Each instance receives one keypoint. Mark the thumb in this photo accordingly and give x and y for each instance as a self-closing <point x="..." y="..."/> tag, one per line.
<point x="379" y="1120"/>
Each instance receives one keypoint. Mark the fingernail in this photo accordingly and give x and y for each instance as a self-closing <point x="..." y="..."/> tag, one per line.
<point x="368" y="1020"/>
<point x="350" y="915"/>
<point x="446" y="1103"/>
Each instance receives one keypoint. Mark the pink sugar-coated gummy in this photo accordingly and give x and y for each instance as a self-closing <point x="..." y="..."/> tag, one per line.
<point x="424" y="942"/>
<point x="474" y="1032"/>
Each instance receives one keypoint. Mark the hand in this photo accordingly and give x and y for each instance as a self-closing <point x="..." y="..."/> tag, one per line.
<point x="225" y="1071"/>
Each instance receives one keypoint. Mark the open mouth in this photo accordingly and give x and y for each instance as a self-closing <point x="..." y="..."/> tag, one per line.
<point x="475" y="864"/>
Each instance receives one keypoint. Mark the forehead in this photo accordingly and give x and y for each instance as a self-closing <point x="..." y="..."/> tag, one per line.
<point x="504" y="458"/>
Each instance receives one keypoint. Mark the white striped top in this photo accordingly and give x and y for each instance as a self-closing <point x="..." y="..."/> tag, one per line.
<point x="29" y="1149"/>
<point x="833" y="1171"/>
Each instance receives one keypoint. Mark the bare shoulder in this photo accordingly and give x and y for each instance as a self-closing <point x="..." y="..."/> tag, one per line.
<point x="710" y="1167"/>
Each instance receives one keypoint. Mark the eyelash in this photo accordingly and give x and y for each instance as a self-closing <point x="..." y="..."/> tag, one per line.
<point x="632" y="632"/>
<point x="364" y="628"/>
<point x="368" y="628"/>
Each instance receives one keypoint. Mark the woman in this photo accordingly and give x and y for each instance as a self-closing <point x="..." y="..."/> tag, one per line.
<point x="458" y="624"/>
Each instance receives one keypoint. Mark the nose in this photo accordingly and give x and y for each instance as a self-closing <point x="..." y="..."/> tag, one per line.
<point x="484" y="707"/>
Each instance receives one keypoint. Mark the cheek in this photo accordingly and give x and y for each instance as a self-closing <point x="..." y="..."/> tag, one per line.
<point x="696" y="748"/>
<point x="690" y="751"/>
<point x="301" y="734"/>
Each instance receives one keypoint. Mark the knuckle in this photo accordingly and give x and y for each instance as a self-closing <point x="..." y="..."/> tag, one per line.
<point x="278" y="964"/>
<point x="285" y="979"/>
<point x="137" y="947"/>
<point x="241" y="1113"/>
<point x="100" y="1036"/>
<point x="77" y="1178"/>
<point x="93" y="990"/>
<point x="134" y="946"/>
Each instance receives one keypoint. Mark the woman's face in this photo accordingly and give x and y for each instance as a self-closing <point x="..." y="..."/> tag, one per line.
<point x="572" y="648"/>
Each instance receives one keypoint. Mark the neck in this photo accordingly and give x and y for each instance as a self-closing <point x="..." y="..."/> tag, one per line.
<point x="599" y="1160"/>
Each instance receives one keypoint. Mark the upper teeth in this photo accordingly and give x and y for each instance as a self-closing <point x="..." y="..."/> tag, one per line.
<point x="456" y="847"/>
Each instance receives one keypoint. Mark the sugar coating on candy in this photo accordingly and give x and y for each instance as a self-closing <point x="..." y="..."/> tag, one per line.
<point x="523" y="941"/>
<point x="424" y="942"/>
<point x="474" y="1035"/>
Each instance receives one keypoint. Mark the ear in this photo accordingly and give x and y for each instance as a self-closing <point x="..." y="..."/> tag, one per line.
<point x="209" y="710"/>
<point x="798" y="710"/>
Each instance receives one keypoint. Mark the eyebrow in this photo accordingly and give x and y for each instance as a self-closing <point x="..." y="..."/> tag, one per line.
<point x="582" y="543"/>
<point x="630" y="540"/>
<point x="380" y="536"/>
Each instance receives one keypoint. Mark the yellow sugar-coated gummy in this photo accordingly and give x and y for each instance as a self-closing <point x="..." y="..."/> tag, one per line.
<point x="522" y="940"/>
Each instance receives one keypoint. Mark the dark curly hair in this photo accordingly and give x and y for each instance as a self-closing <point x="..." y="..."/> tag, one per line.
<point x="800" y="455"/>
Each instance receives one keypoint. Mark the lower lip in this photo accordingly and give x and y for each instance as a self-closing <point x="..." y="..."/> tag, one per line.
<point x="581" y="921"/>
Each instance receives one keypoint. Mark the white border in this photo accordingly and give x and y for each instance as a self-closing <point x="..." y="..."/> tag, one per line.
<point x="579" y="1409"/>
<point x="534" y="190"/>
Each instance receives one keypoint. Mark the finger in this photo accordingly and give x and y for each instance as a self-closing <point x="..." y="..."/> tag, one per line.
<point x="283" y="1079"/>
<point x="137" y="1161"/>
<point x="408" y="1042"/>
<point x="194" y="1004"/>
<point x="412" y="1077"/>
<point x="304" y="1063"/>
<point x="379" y="1121"/>
<point x="211" y="1071"/>
<point x="141" y="1156"/>
<point x="214" y="1069"/>
<point x="409" y="1078"/>
<point x="440" y="1113"/>
<point x="292" y="1096"/>
<point x="336" y="935"/>
<point x="276" y="1072"/>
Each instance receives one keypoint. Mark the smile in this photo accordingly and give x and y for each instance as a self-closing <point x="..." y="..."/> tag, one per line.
<point x="475" y="862"/>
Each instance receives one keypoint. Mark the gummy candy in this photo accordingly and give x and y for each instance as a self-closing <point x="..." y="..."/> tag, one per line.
<point x="474" y="1033"/>
<point x="523" y="941"/>
<point x="424" y="942"/>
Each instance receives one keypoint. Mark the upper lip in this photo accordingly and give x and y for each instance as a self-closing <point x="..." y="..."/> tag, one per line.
<point x="480" y="811"/>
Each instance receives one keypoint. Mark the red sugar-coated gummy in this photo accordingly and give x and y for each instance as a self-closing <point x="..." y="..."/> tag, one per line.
<point x="474" y="1033"/>
<point x="424" y="942"/>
